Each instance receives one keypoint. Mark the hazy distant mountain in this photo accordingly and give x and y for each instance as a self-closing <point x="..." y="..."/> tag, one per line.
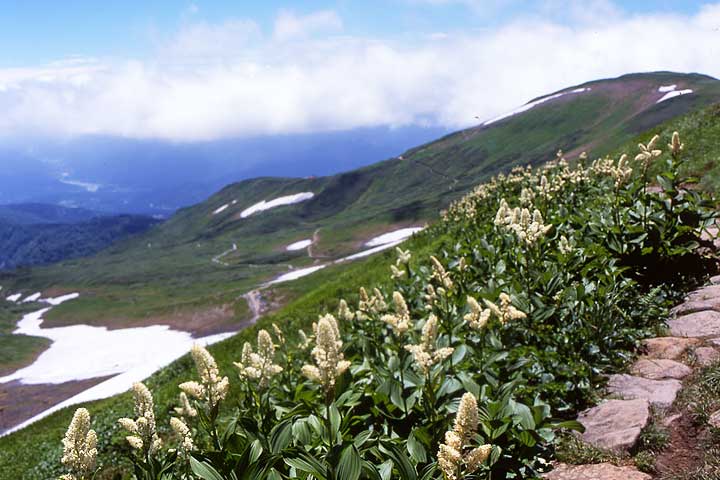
<point x="40" y="234"/>
<point x="157" y="177"/>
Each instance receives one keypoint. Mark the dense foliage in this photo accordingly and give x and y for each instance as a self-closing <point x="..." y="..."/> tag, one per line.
<point x="551" y="278"/>
<point x="44" y="243"/>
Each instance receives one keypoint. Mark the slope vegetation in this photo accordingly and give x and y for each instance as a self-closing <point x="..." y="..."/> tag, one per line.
<point x="561" y="292"/>
<point x="170" y="269"/>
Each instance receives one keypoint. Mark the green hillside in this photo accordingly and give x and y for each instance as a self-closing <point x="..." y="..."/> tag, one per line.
<point x="42" y="243"/>
<point x="170" y="269"/>
<point x="582" y="284"/>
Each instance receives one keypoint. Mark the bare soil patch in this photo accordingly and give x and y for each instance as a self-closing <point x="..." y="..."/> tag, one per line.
<point x="20" y="402"/>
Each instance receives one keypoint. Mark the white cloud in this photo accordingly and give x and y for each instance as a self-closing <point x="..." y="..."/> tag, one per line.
<point x="289" y="25"/>
<point x="232" y="79"/>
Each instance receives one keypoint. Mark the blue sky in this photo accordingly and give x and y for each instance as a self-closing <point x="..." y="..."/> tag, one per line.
<point x="40" y="31"/>
<point x="204" y="69"/>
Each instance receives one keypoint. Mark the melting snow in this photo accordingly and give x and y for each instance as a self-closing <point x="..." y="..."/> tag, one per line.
<point x="220" y="209"/>
<point x="295" y="274"/>
<point x="32" y="298"/>
<point x="394" y="236"/>
<point x="299" y="245"/>
<point x="81" y="352"/>
<point x="666" y="88"/>
<point x="370" y="251"/>
<point x="530" y="105"/>
<point x="59" y="300"/>
<point x="277" y="202"/>
<point x="379" y="243"/>
<point x="14" y="298"/>
<point x="383" y="242"/>
<point x="673" y="94"/>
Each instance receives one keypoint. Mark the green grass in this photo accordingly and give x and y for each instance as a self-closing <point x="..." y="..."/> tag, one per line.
<point x="16" y="351"/>
<point x="316" y="293"/>
<point x="169" y="270"/>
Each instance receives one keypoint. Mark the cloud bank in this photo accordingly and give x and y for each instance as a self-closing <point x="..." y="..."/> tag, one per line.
<point x="233" y="79"/>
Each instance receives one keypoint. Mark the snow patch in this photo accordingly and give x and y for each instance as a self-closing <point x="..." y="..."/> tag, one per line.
<point x="666" y="88"/>
<point x="277" y="202"/>
<point x="530" y="105"/>
<point x="32" y="298"/>
<point x="368" y="252"/>
<point x="383" y="242"/>
<point x="673" y="94"/>
<point x="299" y="273"/>
<point x="394" y="236"/>
<point x="299" y="245"/>
<point x="80" y="352"/>
<point x="14" y="298"/>
<point x="58" y="300"/>
<point x="220" y="209"/>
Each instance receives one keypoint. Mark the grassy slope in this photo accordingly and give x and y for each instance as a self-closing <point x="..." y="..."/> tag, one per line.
<point x="319" y="291"/>
<point x="169" y="268"/>
<point x="16" y="350"/>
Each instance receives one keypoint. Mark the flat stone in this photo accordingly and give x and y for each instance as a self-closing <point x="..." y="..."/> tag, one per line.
<point x="715" y="280"/>
<point x="598" y="471"/>
<point x="660" y="393"/>
<point x="705" y="293"/>
<point x="692" y="306"/>
<point x="659" y="369"/>
<point x="706" y="356"/>
<point x="714" y="420"/>
<point x="699" y="324"/>
<point x="615" y="424"/>
<point x="668" y="347"/>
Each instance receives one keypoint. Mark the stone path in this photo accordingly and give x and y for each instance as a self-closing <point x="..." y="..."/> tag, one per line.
<point x="653" y="382"/>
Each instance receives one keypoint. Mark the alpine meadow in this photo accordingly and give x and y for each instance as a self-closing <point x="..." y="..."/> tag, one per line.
<point x="398" y="275"/>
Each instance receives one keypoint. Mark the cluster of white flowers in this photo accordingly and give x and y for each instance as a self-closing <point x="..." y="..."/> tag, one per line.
<point x="477" y="317"/>
<point x="327" y="354"/>
<point x="396" y="272"/>
<point x="621" y="171"/>
<point x="185" y="409"/>
<point x="676" y="146"/>
<point x="648" y="152"/>
<point x="456" y="457"/>
<point x="430" y="296"/>
<point x="506" y="311"/>
<point x="400" y="320"/>
<point x="344" y="312"/>
<point x="211" y="389"/>
<point x="370" y="305"/>
<point x="426" y="353"/>
<point x="260" y="365"/>
<point x="183" y="432"/>
<point x="529" y="228"/>
<point x="143" y="430"/>
<point x="404" y="256"/>
<point x="79" y="447"/>
<point x="441" y="276"/>
<point x="527" y="196"/>
<point x="564" y="245"/>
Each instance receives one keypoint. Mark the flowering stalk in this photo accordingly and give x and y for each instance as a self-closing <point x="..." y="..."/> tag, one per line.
<point x="79" y="447"/>
<point x="143" y="431"/>
<point x="456" y="457"/>
<point x="211" y="389"/>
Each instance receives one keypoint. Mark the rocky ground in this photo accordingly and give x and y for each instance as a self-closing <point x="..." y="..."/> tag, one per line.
<point x="654" y="396"/>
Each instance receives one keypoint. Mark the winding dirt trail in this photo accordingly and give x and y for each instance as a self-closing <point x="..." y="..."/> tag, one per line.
<point x="255" y="304"/>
